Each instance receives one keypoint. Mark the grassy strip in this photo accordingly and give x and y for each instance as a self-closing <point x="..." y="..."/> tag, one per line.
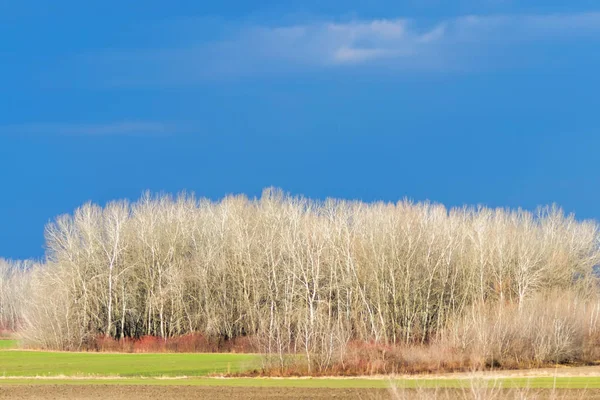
<point x="17" y="367"/>
<point x="533" y="383"/>
<point x="8" y="344"/>
<point x="34" y="363"/>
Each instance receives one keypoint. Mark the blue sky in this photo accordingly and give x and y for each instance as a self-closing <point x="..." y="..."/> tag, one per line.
<point x="489" y="102"/>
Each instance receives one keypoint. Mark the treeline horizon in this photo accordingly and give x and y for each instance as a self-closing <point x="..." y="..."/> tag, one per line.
<point x="301" y="276"/>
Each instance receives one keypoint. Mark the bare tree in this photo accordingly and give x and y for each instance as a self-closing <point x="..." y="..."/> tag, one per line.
<point x="300" y="275"/>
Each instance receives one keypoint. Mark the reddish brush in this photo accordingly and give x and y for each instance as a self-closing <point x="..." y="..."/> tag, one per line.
<point x="6" y="333"/>
<point x="192" y="343"/>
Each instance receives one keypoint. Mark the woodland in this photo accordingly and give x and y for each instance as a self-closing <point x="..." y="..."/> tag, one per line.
<point x="317" y="286"/>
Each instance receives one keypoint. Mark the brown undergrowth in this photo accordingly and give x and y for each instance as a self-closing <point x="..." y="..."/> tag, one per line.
<point x="192" y="343"/>
<point x="368" y="358"/>
<point x="546" y="330"/>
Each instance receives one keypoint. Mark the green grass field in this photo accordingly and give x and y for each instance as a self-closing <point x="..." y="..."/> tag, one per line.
<point x="32" y="367"/>
<point x="37" y="363"/>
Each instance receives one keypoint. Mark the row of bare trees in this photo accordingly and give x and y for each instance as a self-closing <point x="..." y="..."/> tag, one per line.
<point x="300" y="275"/>
<point x="13" y="286"/>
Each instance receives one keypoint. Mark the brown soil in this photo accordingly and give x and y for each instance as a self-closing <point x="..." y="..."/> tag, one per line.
<point x="104" y="392"/>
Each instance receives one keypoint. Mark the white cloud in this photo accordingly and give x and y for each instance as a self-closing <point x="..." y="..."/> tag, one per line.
<point x="101" y="129"/>
<point x="357" y="55"/>
<point x="397" y="44"/>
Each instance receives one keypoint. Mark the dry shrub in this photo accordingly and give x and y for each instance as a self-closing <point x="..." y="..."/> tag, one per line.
<point x="373" y="358"/>
<point x="551" y="328"/>
<point x="547" y="329"/>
